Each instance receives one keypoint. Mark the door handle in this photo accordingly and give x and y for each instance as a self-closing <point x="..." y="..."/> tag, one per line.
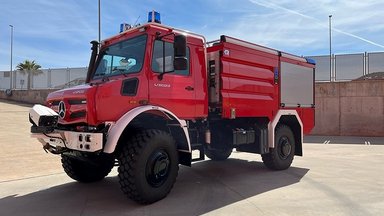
<point x="189" y="88"/>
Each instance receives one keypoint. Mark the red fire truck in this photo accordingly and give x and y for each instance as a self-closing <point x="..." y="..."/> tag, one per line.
<point x="154" y="93"/>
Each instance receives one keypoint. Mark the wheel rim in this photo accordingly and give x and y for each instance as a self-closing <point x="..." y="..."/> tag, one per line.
<point x="157" y="168"/>
<point x="285" y="147"/>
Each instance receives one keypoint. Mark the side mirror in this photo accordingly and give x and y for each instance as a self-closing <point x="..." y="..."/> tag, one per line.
<point x="180" y="63"/>
<point x="180" y="46"/>
<point x="180" y="50"/>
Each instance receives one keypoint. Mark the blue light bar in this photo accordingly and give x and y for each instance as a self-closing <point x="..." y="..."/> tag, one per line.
<point x="124" y="27"/>
<point x="154" y="16"/>
<point x="310" y="61"/>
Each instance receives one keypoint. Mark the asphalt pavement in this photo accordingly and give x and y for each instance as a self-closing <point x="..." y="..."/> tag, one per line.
<point x="336" y="176"/>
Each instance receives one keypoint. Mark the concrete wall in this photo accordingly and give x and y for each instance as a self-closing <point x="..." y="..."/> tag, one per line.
<point x="342" y="108"/>
<point x="28" y="96"/>
<point x="350" y="108"/>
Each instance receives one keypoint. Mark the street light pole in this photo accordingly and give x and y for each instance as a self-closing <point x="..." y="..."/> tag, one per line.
<point x="11" y="66"/>
<point x="330" y="48"/>
<point x="99" y="23"/>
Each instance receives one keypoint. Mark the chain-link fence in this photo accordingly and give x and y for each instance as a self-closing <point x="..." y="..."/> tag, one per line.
<point x="43" y="79"/>
<point x="348" y="66"/>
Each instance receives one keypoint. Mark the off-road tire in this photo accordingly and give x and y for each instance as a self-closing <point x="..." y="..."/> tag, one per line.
<point x="281" y="157"/>
<point x="86" y="172"/>
<point x="148" y="166"/>
<point x="221" y="145"/>
<point x="217" y="154"/>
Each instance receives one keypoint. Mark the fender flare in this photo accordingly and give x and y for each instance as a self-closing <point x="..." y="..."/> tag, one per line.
<point x="119" y="126"/>
<point x="276" y="119"/>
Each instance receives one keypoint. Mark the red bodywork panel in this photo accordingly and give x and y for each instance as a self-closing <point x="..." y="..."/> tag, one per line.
<point x="250" y="80"/>
<point x="247" y="81"/>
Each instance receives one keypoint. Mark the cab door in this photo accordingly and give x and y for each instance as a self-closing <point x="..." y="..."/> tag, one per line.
<point x="174" y="91"/>
<point x="121" y="84"/>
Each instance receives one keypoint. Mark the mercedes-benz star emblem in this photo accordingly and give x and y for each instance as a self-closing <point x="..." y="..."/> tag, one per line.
<point x="62" y="109"/>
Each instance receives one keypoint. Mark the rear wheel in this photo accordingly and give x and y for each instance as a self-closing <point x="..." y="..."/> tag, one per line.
<point x="148" y="166"/>
<point x="281" y="157"/>
<point x="221" y="146"/>
<point x="87" y="170"/>
<point x="217" y="154"/>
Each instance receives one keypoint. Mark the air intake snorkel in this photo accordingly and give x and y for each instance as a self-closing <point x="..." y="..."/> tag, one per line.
<point x="92" y="61"/>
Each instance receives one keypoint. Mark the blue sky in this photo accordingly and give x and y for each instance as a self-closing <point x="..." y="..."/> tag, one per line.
<point x="57" y="33"/>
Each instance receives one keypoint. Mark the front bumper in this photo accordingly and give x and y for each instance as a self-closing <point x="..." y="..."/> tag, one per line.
<point x="44" y="123"/>
<point x="80" y="141"/>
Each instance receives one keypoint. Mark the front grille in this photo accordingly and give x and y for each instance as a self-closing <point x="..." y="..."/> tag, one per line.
<point x="71" y="102"/>
<point x="55" y="103"/>
<point x="79" y="114"/>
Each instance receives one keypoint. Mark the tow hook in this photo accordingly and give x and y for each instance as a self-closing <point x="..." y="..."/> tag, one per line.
<point x="53" y="149"/>
<point x="46" y="147"/>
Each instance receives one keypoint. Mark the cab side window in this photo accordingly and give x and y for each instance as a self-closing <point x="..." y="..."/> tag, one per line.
<point x="157" y="59"/>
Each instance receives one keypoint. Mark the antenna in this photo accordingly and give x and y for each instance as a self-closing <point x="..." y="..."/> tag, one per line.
<point x="136" y="20"/>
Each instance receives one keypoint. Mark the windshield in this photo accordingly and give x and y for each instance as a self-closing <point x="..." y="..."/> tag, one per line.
<point x="122" y="58"/>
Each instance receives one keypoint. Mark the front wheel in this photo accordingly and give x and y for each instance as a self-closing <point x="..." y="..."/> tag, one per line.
<point x="281" y="157"/>
<point x="148" y="166"/>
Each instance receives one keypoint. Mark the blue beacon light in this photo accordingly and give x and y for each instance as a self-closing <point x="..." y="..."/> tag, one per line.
<point x="124" y="27"/>
<point x="154" y="16"/>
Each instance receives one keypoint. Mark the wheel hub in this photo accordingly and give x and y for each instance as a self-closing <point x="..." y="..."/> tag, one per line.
<point x="285" y="147"/>
<point x="157" y="168"/>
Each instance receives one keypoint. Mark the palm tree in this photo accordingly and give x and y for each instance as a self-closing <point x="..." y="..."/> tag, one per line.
<point x="29" y="68"/>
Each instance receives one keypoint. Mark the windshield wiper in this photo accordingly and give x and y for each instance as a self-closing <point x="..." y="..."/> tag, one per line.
<point x="104" y="79"/>
<point x="121" y="71"/>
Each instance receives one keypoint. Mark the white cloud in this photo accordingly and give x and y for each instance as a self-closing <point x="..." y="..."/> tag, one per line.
<point x="302" y="26"/>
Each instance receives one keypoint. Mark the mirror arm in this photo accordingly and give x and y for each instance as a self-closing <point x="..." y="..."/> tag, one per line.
<point x="161" y="75"/>
<point x="158" y="37"/>
<point x="163" y="58"/>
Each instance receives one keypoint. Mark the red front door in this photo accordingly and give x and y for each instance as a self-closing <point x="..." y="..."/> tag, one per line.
<point x="176" y="90"/>
<point x="175" y="93"/>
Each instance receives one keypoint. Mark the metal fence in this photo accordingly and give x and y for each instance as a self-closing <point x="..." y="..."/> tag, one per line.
<point x="343" y="67"/>
<point x="44" y="79"/>
<point x="347" y="66"/>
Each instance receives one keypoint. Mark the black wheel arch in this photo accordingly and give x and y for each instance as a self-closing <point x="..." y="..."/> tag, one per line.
<point x="159" y="121"/>
<point x="293" y="123"/>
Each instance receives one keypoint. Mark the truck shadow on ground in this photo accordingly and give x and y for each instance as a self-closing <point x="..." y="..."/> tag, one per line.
<point x="205" y="187"/>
